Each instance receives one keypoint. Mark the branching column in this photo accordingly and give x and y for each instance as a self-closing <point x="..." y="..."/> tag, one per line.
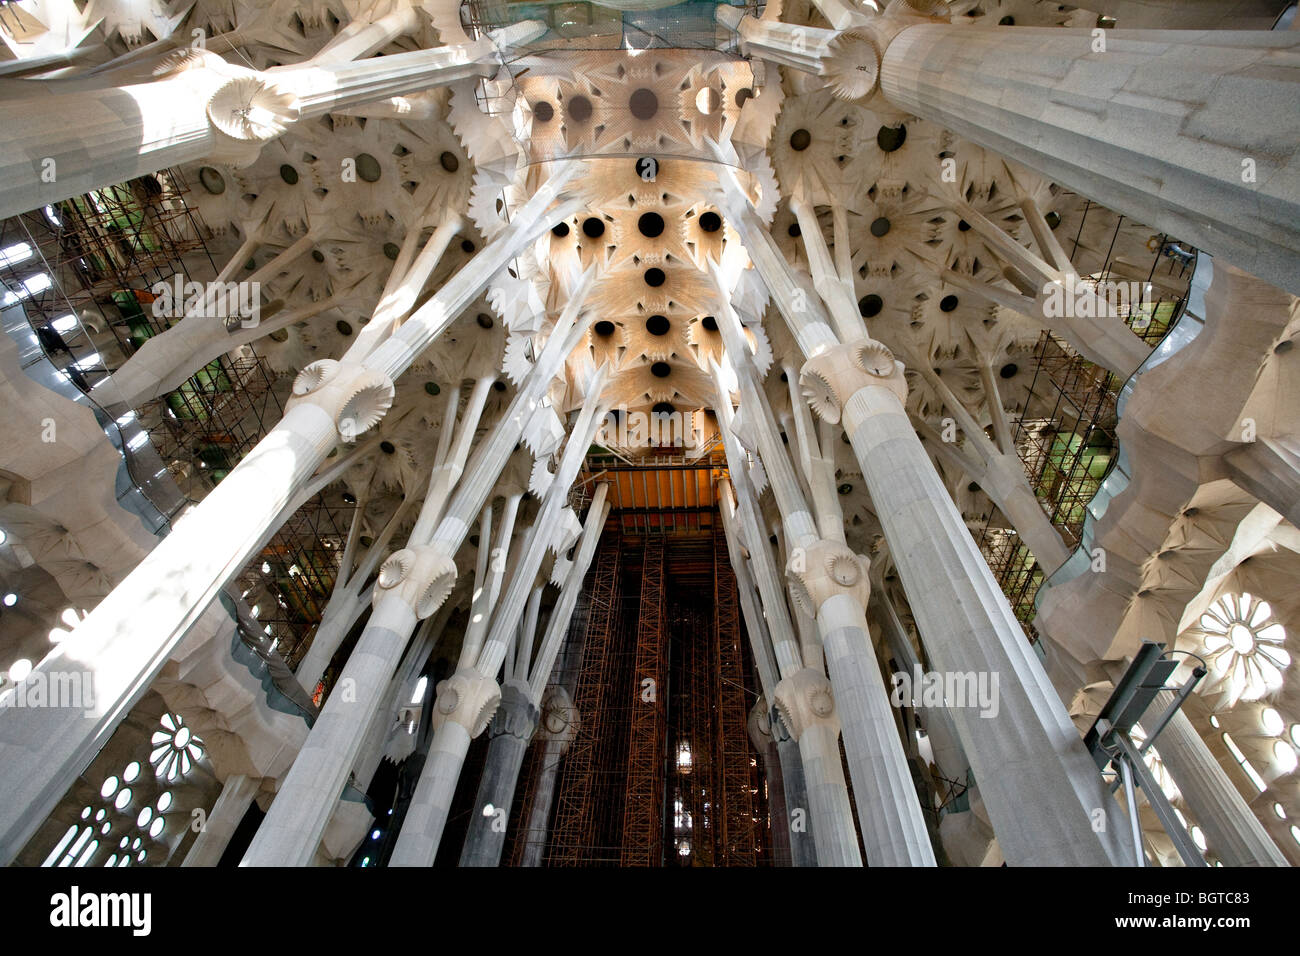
<point x="1192" y="133"/>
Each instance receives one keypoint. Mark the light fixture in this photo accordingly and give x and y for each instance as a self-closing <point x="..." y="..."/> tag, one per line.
<point x="10" y="599"/>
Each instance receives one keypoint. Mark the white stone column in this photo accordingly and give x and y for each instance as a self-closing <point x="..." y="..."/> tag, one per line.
<point x="63" y="144"/>
<point x="126" y="639"/>
<point x="1192" y="133"/>
<point x="220" y="824"/>
<point x="1231" y="827"/>
<point x="1039" y="784"/>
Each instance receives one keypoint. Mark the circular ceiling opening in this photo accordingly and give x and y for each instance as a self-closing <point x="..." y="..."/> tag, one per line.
<point x="499" y="386"/>
<point x="392" y="250"/>
<point x="708" y="101"/>
<point x="343" y="327"/>
<point x="870" y="305"/>
<point x="660" y="369"/>
<point x="543" y="111"/>
<point x="368" y="168"/>
<point x="800" y="140"/>
<point x="1009" y="370"/>
<point x="973" y="486"/>
<point x="289" y="174"/>
<point x="580" y="109"/>
<point x="655" y="277"/>
<point x="663" y="408"/>
<point x="880" y="227"/>
<point x="643" y="104"/>
<point x="484" y="320"/>
<point x="212" y="180"/>
<point x="560" y="229"/>
<point x="387" y="447"/>
<point x="604" y="328"/>
<point x="794" y="231"/>
<point x="845" y="488"/>
<point x="593" y="228"/>
<point x="317" y="256"/>
<point x="433" y="388"/>
<point x="1007" y="22"/>
<point x="466" y="246"/>
<point x="947" y="303"/>
<point x="963" y="225"/>
<point x="710" y="222"/>
<point x="657" y="325"/>
<point x="743" y="95"/>
<point x="651" y="224"/>
<point x="890" y="138"/>
<point x="709" y="323"/>
<point x="1053" y="219"/>
<point x="449" y="162"/>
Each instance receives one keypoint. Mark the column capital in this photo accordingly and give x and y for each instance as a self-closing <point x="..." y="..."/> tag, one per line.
<point x="516" y="716"/>
<point x="422" y="576"/>
<point x="466" y="698"/>
<point x="805" y="700"/>
<point x="830" y="379"/>
<point x="826" y="569"/>
<point x="759" y="724"/>
<point x="355" y="396"/>
<point x="559" y="720"/>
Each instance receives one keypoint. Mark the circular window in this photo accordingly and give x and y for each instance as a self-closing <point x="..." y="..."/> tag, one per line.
<point x="743" y="95"/>
<point x="560" y="229"/>
<point x="1053" y="219"/>
<point x="655" y="277"/>
<point x="870" y="305"/>
<point x="947" y="303"/>
<point x="890" y="138"/>
<point x="710" y="222"/>
<point x="165" y="801"/>
<point x="145" y="816"/>
<point x="593" y="228"/>
<point x="580" y="109"/>
<point x="211" y="180"/>
<point x="368" y="168"/>
<point x="963" y="225"/>
<point x="643" y="104"/>
<point x="131" y="772"/>
<point x="543" y="111"/>
<point x="449" y="161"/>
<point x="391" y="251"/>
<point x="651" y="224"/>
<point x="708" y="101"/>
<point x="800" y="140"/>
<point x="604" y="328"/>
<point x="657" y="325"/>
<point x="660" y="369"/>
<point x="387" y="447"/>
<point x="880" y="227"/>
<point x="484" y="320"/>
<point x="1009" y="370"/>
<point x="709" y="323"/>
<point x="109" y="788"/>
<point x="157" y="827"/>
<point x="289" y="174"/>
<point x="123" y="798"/>
<point x="1272" y="721"/>
<point x="663" y="408"/>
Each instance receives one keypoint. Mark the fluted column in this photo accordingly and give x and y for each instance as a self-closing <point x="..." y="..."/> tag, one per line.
<point x="63" y="144"/>
<point x="1039" y="784"/>
<point x="1231" y="827"/>
<point x="221" y="822"/>
<point x="510" y="731"/>
<point x="1192" y="133"/>
<point x="558" y="727"/>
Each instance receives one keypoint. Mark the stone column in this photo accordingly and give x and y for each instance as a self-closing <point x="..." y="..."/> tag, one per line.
<point x="1192" y="133"/>
<point x="1038" y="782"/>
<point x="806" y="705"/>
<point x="66" y="143"/>
<point x="510" y="731"/>
<point x="760" y="735"/>
<point x="1231" y="827"/>
<point x="126" y="639"/>
<point x="833" y="586"/>
<point x="220" y="825"/>
<point x="556" y="730"/>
